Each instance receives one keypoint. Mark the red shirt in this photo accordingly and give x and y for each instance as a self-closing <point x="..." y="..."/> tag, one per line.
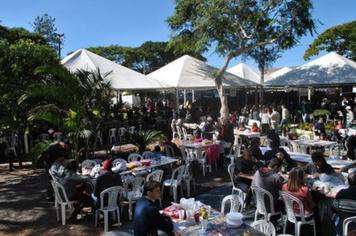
<point x="304" y="195"/>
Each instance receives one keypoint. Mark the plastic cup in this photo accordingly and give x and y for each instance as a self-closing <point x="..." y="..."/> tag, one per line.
<point x="181" y="214"/>
<point x="204" y="226"/>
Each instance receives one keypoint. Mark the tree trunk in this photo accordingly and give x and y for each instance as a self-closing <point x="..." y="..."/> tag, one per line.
<point x="224" y="109"/>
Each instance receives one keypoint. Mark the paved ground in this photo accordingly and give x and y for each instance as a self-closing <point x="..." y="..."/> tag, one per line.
<point x="24" y="210"/>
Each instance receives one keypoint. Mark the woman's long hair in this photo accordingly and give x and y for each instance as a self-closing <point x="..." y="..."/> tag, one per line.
<point x="296" y="179"/>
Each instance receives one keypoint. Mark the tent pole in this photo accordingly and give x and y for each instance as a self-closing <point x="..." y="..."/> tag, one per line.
<point x="177" y="99"/>
<point x="184" y="97"/>
<point x="193" y="96"/>
<point x="299" y="91"/>
<point x="117" y="96"/>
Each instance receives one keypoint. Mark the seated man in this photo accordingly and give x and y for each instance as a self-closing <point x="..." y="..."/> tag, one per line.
<point x="147" y="219"/>
<point x="73" y="184"/>
<point x="279" y="153"/>
<point x="105" y="180"/>
<point x="345" y="204"/>
<point x="269" y="179"/>
<point x="208" y="129"/>
<point x="321" y="170"/>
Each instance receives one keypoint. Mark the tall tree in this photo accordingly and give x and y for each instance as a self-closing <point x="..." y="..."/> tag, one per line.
<point x="234" y="27"/>
<point x="45" y="26"/>
<point x="341" y="38"/>
<point x="20" y="53"/>
<point x="147" y="57"/>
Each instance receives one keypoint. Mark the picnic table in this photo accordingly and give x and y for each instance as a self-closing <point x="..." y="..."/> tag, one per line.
<point x="216" y="226"/>
<point x="164" y="160"/>
<point x="314" y="143"/>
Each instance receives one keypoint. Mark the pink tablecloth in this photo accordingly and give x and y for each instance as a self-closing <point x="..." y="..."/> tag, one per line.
<point x="212" y="153"/>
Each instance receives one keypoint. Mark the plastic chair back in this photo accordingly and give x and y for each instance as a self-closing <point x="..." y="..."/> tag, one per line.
<point x="346" y="223"/>
<point x="147" y="155"/>
<point x="265" y="227"/>
<point x="134" y="157"/>
<point x="235" y="201"/>
<point x="155" y="175"/>
<point x="261" y="195"/>
<point x="88" y="163"/>
<point x="60" y="192"/>
<point x="135" y="186"/>
<point x="109" y="197"/>
<point x="289" y="202"/>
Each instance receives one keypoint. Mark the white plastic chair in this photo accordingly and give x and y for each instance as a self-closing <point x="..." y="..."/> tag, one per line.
<point x="147" y="155"/>
<point x="175" y="181"/>
<point x="117" y="161"/>
<point x="186" y="155"/>
<point x="155" y="175"/>
<point x="235" y="185"/>
<point x="134" y="157"/>
<point x="112" y="136"/>
<point x="235" y="201"/>
<point x="188" y="178"/>
<point x="121" y="134"/>
<point x="234" y="153"/>
<point x="112" y="194"/>
<point x="180" y="132"/>
<point x="174" y="132"/>
<point x="169" y="151"/>
<point x="260" y="196"/>
<point x="290" y="201"/>
<point x="265" y="227"/>
<point x="345" y="224"/>
<point x="186" y="136"/>
<point x="133" y="190"/>
<point x="286" y="149"/>
<point x="88" y="163"/>
<point x="61" y="200"/>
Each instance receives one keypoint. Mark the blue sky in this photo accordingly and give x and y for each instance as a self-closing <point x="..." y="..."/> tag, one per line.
<point x="88" y="23"/>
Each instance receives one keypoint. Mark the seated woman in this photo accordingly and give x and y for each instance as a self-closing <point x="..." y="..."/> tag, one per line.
<point x="254" y="127"/>
<point x="197" y="136"/>
<point x="296" y="186"/>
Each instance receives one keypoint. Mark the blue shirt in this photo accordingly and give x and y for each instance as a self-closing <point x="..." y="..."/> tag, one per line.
<point x="147" y="219"/>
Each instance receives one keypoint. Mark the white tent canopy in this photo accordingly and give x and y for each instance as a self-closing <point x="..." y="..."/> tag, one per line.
<point x="331" y="69"/>
<point x="120" y="77"/>
<point x="188" y="72"/>
<point x="278" y="73"/>
<point x="246" y="72"/>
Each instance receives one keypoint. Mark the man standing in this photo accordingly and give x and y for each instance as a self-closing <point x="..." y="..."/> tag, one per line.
<point x="275" y="117"/>
<point x="284" y="122"/>
<point x="147" y="219"/>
